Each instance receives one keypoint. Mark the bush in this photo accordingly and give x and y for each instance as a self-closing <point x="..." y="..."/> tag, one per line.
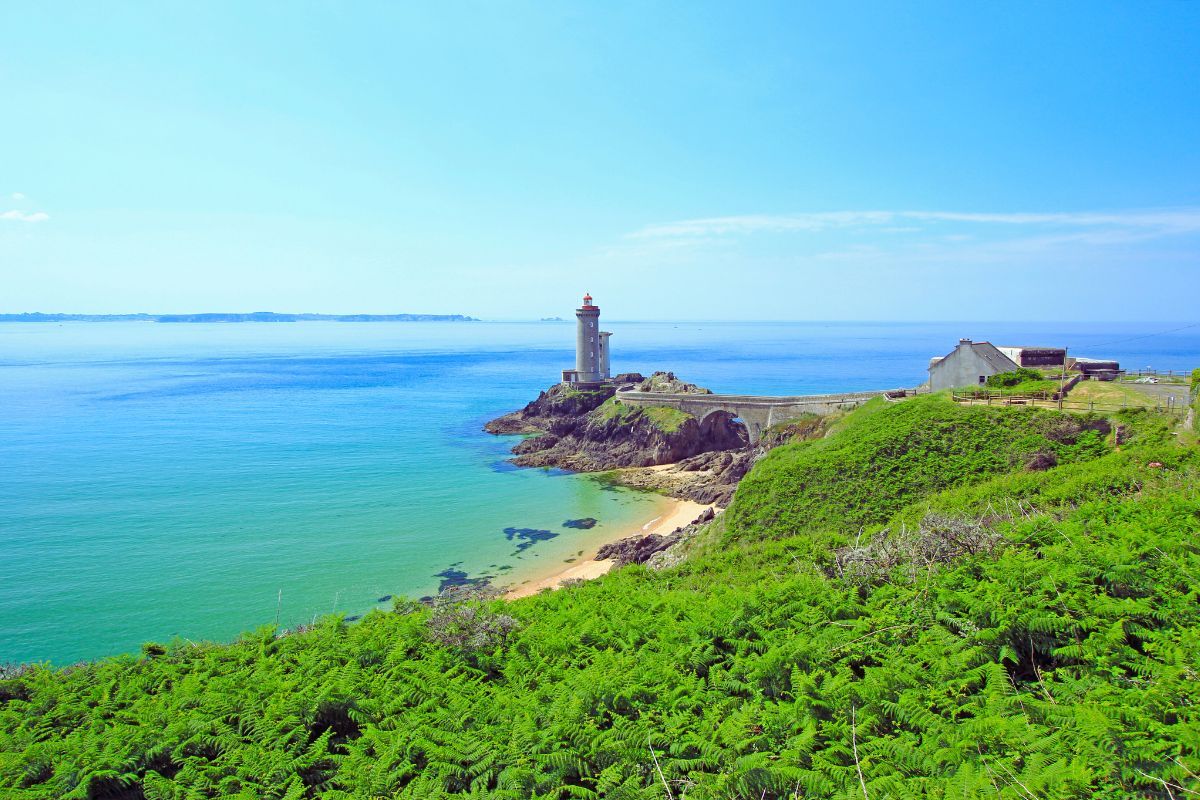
<point x="153" y="650"/>
<point x="939" y="539"/>
<point x="468" y="627"/>
<point x="1006" y="380"/>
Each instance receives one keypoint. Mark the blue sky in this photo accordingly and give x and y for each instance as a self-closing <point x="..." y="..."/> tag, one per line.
<point x="729" y="161"/>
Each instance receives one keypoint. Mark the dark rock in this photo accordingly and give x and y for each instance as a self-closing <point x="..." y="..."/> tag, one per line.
<point x="1041" y="461"/>
<point x="452" y="577"/>
<point x="667" y="383"/>
<point x="570" y="435"/>
<point x="535" y="444"/>
<point x="528" y="537"/>
<point x="384" y="599"/>
<point x="574" y="433"/>
<point x="559" y="400"/>
<point x="636" y="549"/>
<point x="595" y="441"/>
<point x="587" y="523"/>
<point x="725" y="469"/>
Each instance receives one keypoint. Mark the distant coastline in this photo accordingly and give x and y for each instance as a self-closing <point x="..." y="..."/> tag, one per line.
<point x="256" y="316"/>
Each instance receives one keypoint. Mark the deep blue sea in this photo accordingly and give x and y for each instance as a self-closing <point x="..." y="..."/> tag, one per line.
<point x="197" y="480"/>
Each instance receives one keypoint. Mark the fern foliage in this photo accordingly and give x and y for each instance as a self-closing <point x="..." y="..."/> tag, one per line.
<point x="1061" y="661"/>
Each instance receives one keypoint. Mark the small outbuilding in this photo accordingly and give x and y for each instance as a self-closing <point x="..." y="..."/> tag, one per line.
<point x="1096" y="369"/>
<point x="1035" y="356"/>
<point x="968" y="364"/>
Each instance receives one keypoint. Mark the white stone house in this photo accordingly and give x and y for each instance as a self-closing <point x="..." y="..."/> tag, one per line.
<point x="968" y="364"/>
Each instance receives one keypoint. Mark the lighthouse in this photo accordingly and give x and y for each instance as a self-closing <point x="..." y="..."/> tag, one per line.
<point x="591" y="348"/>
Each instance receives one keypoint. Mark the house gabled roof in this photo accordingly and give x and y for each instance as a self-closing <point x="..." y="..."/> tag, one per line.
<point x="988" y="353"/>
<point x="994" y="358"/>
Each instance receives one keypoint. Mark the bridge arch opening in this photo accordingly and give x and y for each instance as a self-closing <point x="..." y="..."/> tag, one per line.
<point x="724" y="430"/>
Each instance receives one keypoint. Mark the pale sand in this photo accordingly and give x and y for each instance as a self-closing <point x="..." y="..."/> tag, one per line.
<point x="677" y="514"/>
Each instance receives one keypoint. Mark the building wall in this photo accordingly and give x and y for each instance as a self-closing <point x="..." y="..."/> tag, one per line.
<point x="587" y="345"/>
<point x="963" y="367"/>
<point x="605" y="368"/>
<point x="1035" y="356"/>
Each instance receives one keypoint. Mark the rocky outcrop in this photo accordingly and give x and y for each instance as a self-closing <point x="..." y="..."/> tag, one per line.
<point x="709" y="478"/>
<point x="629" y="438"/>
<point x="712" y="477"/>
<point x="636" y="549"/>
<point x="559" y="402"/>
<point x="661" y="449"/>
<point x="590" y="431"/>
<point x="640" y="549"/>
<point x="667" y="383"/>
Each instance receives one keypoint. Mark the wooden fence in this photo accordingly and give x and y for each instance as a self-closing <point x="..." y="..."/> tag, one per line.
<point x="1155" y="373"/>
<point x="1002" y="399"/>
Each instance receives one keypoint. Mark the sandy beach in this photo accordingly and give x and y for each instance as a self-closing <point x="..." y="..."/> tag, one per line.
<point x="676" y="514"/>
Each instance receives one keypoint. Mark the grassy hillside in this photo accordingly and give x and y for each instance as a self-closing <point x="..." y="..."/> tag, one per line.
<point x="666" y="419"/>
<point x="919" y="605"/>
<point x="885" y="455"/>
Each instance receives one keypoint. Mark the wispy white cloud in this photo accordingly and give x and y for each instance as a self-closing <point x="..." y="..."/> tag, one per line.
<point x="18" y="196"/>
<point x="1098" y="227"/>
<point x="24" y="216"/>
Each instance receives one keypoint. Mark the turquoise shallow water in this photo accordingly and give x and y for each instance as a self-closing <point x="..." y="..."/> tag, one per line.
<point x="172" y="480"/>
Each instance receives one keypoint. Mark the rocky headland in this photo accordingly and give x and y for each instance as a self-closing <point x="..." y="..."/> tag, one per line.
<point x="657" y="449"/>
<point x="589" y="430"/>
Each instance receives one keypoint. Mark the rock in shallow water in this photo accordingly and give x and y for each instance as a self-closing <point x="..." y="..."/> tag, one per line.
<point x="528" y="537"/>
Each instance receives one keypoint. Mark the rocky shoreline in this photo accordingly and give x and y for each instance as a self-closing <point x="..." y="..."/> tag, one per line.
<point x="588" y="430"/>
<point x="653" y="449"/>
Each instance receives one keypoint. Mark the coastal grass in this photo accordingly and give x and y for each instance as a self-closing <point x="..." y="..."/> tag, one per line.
<point x="1112" y="394"/>
<point x="830" y="638"/>
<point x="567" y="390"/>
<point x="1194" y="387"/>
<point x="884" y="455"/>
<point x="666" y="419"/>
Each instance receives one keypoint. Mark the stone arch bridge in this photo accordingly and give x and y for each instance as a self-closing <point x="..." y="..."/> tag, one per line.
<point x="757" y="412"/>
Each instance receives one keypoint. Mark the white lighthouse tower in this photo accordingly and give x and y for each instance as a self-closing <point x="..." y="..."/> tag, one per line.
<point x="591" y="348"/>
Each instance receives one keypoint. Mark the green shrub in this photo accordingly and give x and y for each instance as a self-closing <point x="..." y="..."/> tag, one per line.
<point x="1004" y="380"/>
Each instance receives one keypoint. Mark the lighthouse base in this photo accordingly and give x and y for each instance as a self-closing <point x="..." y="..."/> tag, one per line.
<point x="583" y="379"/>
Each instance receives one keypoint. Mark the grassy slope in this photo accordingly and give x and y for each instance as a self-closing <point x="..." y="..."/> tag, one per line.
<point x="1111" y="394"/>
<point x="1064" y="664"/>
<point x="667" y="420"/>
<point x="1194" y="385"/>
<point x="885" y="455"/>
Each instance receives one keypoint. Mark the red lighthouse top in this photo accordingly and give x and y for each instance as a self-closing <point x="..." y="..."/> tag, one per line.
<point x="587" y="301"/>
